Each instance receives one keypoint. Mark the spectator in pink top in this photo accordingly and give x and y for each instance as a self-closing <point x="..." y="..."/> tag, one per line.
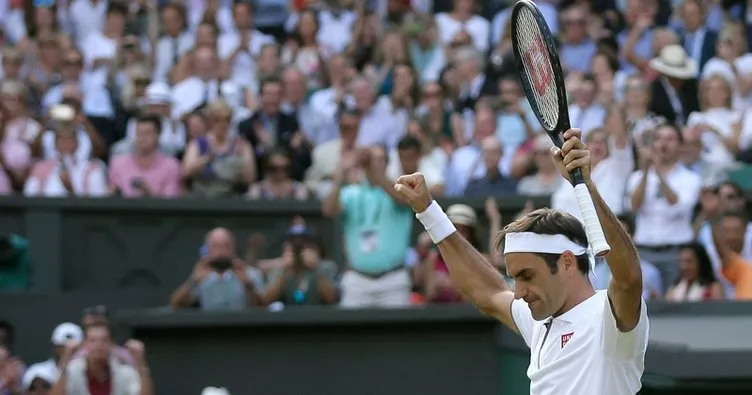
<point x="15" y="160"/>
<point x="146" y="171"/>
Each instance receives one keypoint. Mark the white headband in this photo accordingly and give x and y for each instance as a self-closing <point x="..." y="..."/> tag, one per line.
<point x="544" y="244"/>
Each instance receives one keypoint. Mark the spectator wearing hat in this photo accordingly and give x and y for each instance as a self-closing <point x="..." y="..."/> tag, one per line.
<point x="48" y="370"/>
<point x="675" y="92"/>
<point x="146" y="171"/>
<point x="39" y="379"/>
<point x="546" y="179"/>
<point x="157" y="101"/>
<point x="305" y="276"/>
<point x="66" y="173"/>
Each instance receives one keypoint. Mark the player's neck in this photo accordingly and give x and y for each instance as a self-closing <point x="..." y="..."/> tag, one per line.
<point x="581" y="293"/>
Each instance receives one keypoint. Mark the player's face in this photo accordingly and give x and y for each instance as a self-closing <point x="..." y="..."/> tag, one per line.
<point x="535" y="284"/>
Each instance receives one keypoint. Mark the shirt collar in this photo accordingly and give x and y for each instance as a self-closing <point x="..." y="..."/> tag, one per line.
<point x="580" y="312"/>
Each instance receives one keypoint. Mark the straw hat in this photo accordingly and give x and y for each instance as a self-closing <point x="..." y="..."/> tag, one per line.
<point x="674" y="62"/>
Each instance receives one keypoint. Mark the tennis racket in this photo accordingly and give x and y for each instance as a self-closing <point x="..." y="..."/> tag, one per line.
<point x="543" y="82"/>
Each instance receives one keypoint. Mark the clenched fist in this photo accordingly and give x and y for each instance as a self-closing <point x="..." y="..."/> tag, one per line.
<point x="414" y="189"/>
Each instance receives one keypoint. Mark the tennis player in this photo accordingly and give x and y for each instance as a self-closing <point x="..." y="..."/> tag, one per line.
<point x="582" y="342"/>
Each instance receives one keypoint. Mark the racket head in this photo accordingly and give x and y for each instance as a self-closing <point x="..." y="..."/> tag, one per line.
<point x="540" y="69"/>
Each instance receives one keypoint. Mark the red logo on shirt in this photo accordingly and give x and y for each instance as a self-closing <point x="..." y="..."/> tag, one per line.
<point x="565" y="338"/>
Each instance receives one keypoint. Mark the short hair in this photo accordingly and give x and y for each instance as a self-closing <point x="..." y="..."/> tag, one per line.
<point x="179" y="8"/>
<point x="246" y="3"/>
<point x="153" y="119"/>
<point x="612" y="60"/>
<point x="117" y="8"/>
<point x="409" y="142"/>
<point x="269" y="81"/>
<point x="546" y="221"/>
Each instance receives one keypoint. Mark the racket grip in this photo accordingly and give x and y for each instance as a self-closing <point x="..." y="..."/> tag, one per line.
<point x="593" y="227"/>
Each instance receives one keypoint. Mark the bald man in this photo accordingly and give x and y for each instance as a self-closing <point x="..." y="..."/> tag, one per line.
<point x="493" y="183"/>
<point x="220" y="280"/>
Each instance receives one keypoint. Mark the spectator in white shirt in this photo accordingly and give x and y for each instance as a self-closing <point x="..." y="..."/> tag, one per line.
<point x="466" y="162"/>
<point x="336" y="26"/>
<point x="585" y="111"/>
<point x="96" y="100"/>
<point x="202" y="87"/>
<point x="100" y="49"/>
<point x="217" y="12"/>
<point x="239" y="48"/>
<point x="464" y="18"/>
<point x="65" y="174"/>
<point x="317" y="128"/>
<point x="612" y="163"/>
<point x="377" y="124"/>
<point x="176" y="41"/>
<point x="734" y="62"/>
<point x="86" y="17"/>
<point x="718" y="124"/>
<point x="327" y="101"/>
<point x="663" y="195"/>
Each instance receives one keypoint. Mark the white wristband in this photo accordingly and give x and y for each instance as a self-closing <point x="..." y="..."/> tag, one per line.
<point x="436" y="222"/>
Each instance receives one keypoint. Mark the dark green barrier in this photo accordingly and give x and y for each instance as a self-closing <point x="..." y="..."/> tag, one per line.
<point x="106" y="244"/>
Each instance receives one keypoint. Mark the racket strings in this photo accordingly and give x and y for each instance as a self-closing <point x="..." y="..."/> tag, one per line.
<point x="538" y="69"/>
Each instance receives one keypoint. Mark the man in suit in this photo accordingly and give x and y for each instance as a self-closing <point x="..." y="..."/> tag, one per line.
<point x="675" y="90"/>
<point x="470" y="64"/>
<point x="697" y="39"/>
<point x="269" y="128"/>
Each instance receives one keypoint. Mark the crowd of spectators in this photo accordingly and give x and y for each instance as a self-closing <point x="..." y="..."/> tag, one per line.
<point x="332" y="100"/>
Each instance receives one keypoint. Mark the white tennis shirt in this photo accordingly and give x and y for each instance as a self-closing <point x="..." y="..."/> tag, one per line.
<point x="582" y="352"/>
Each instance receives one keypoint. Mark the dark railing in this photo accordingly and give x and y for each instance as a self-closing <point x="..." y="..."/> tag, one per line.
<point x="88" y="244"/>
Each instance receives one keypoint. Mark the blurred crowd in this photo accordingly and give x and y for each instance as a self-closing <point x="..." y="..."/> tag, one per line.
<point x="332" y="100"/>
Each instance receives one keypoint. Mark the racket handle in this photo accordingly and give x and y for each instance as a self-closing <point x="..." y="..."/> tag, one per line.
<point x="593" y="227"/>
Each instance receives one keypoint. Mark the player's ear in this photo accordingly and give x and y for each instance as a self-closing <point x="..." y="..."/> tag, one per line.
<point x="568" y="260"/>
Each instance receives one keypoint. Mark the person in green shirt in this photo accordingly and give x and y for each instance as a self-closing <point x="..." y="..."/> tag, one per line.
<point x="306" y="279"/>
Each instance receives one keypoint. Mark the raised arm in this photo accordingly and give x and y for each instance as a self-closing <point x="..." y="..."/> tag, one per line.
<point x="478" y="280"/>
<point x="625" y="289"/>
